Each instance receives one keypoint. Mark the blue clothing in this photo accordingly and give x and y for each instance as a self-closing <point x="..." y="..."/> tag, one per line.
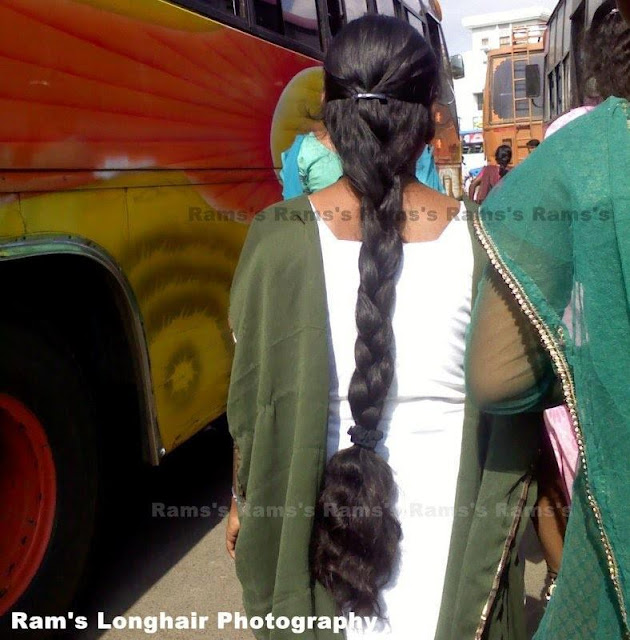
<point x="427" y="172"/>
<point x="289" y="174"/>
<point x="308" y="166"/>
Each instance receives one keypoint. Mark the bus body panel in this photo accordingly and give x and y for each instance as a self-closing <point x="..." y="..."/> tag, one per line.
<point x="149" y="131"/>
<point x="155" y="134"/>
<point x="447" y="143"/>
<point x="514" y="136"/>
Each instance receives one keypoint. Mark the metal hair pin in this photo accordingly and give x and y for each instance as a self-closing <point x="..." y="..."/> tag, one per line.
<point x="371" y="96"/>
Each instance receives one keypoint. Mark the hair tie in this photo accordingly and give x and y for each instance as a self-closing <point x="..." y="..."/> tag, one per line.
<point x="371" y="96"/>
<point x="366" y="438"/>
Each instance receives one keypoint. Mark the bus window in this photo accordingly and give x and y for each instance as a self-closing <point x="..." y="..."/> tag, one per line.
<point x="568" y="82"/>
<point x="552" y="95"/>
<point x="300" y="21"/>
<point x="566" y="44"/>
<point x="386" y="7"/>
<point x="551" y="39"/>
<point x="578" y="28"/>
<point x="560" y="89"/>
<point x="434" y="35"/>
<point x="269" y="15"/>
<point x="502" y="98"/>
<point x="537" y="103"/>
<point x="437" y="41"/>
<point x="520" y="89"/>
<point x="526" y="108"/>
<point x="416" y="23"/>
<point x="355" y="9"/>
<point x="560" y="34"/>
<point x="230" y="7"/>
<point x="335" y="16"/>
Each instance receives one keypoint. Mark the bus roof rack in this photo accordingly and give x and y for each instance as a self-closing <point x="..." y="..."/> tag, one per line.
<point x="528" y="34"/>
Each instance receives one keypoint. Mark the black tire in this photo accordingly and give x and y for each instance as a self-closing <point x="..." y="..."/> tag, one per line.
<point x="46" y="379"/>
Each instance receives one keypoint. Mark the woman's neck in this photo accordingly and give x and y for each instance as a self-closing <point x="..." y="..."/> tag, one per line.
<point x="427" y="211"/>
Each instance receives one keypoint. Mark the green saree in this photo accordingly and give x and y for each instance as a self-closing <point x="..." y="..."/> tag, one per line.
<point x="557" y="231"/>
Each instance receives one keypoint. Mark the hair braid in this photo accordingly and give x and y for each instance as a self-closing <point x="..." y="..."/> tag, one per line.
<point x="356" y="533"/>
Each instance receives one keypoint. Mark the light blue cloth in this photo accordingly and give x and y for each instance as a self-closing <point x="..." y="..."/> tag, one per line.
<point x="427" y="172"/>
<point x="289" y="174"/>
<point x="308" y="166"/>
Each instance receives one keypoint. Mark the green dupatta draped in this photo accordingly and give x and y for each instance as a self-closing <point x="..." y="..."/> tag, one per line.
<point x="558" y="232"/>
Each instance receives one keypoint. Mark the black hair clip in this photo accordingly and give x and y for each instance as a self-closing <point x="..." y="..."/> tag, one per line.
<point x="381" y="97"/>
<point x="366" y="438"/>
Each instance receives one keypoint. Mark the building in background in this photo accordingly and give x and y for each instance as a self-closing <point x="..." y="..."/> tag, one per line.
<point x="489" y="31"/>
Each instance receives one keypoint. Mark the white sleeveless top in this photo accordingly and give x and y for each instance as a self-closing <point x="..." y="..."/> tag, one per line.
<point x="424" y="412"/>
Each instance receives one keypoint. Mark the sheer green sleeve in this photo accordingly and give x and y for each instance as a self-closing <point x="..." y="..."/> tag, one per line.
<point x="507" y="370"/>
<point x="525" y="232"/>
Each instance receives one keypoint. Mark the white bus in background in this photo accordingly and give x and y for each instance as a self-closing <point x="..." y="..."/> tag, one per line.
<point x="473" y="156"/>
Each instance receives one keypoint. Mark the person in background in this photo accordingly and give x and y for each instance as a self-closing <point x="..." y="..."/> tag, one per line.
<point x="311" y="164"/>
<point x="559" y="277"/>
<point x="567" y="118"/>
<point x="491" y="175"/>
<point x="532" y="145"/>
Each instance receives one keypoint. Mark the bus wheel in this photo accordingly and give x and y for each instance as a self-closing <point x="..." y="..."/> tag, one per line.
<point x="28" y="490"/>
<point x="47" y="475"/>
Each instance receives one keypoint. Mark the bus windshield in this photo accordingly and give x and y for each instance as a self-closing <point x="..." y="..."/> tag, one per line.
<point x="508" y="97"/>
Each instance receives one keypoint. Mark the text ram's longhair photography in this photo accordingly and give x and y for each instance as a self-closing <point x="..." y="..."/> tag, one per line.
<point x="192" y="621"/>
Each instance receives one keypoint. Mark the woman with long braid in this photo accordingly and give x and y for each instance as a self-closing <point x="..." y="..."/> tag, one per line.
<point x="379" y="118"/>
<point x="349" y="311"/>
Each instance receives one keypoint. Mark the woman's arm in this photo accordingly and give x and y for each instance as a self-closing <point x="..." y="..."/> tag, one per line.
<point x="233" y="522"/>
<point x="507" y="369"/>
<point x="473" y="186"/>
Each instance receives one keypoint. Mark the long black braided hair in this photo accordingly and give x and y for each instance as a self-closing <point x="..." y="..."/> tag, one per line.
<point x="381" y="80"/>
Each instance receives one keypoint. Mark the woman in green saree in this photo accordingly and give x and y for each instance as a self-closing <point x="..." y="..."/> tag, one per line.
<point x="558" y="237"/>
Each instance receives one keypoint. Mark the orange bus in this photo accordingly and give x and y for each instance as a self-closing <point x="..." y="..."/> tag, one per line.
<point x="137" y="140"/>
<point x="560" y="83"/>
<point x="510" y="117"/>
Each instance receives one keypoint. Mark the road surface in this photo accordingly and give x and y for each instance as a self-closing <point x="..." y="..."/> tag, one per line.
<point x="159" y="554"/>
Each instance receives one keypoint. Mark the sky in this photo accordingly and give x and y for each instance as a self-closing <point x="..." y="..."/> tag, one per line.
<point x="458" y="38"/>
